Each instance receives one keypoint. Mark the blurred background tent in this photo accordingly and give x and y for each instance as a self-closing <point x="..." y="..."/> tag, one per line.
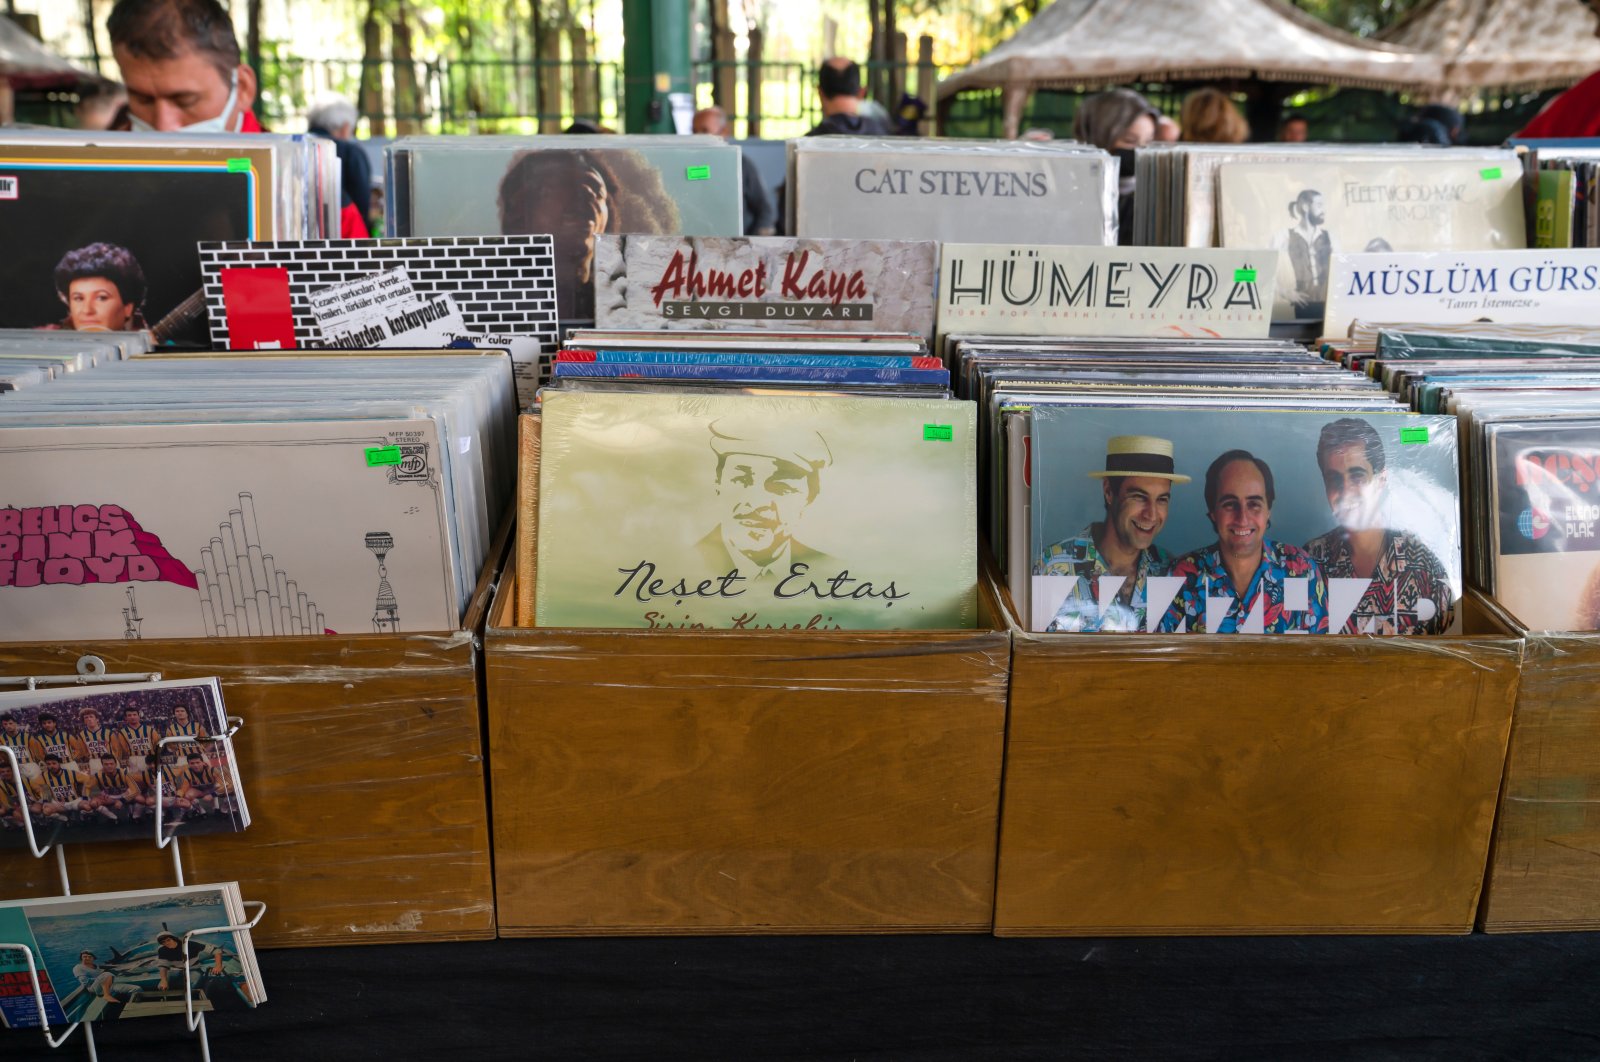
<point x="26" y="66"/>
<point x="1511" y="45"/>
<point x="1265" y="49"/>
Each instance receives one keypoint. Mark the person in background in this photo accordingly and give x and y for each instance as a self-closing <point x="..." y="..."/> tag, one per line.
<point x="839" y="85"/>
<point x="184" y="73"/>
<point x="1576" y="112"/>
<point x="1119" y="121"/>
<point x="1294" y="130"/>
<point x="1434" y="124"/>
<point x="334" y="118"/>
<point x="760" y="216"/>
<point x="1209" y="117"/>
<point x="1168" y="130"/>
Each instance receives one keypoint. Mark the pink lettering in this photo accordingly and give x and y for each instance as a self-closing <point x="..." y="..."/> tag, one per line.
<point x="63" y="570"/>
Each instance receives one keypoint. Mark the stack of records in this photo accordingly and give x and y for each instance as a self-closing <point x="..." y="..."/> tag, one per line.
<point x="95" y="763"/>
<point x="1209" y="486"/>
<point x="114" y="955"/>
<point x="100" y="228"/>
<point x="1563" y="187"/>
<point x="750" y="481"/>
<point x="963" y="191"/>
<point x="241" y="495"/>
<point x="29" y="357"/>
<point x="1530" y="416"/>
<point x="570" y="187"/>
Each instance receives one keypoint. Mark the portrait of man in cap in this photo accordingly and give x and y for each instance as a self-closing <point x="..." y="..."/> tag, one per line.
<point x="767" y="475"/>
<point x="1115" y="557"/>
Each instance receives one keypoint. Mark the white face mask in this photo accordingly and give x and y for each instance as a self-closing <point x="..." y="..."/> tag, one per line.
<point x="219" y="124"/>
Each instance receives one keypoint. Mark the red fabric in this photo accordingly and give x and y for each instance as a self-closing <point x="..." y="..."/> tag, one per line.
<point x="1576" y="112"/>
<point x="250" y="125"/>
<point x="351" y="225"/>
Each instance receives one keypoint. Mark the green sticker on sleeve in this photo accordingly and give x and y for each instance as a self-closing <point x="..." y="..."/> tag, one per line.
<point x="1244" y="276"/>
<point x="698" y="173"/>
<point x="1413" y="435"/>
<point x="383" y="455"/>
<point x="1490" y="174"/>
<point x="938" y="433"/>
<point x="238" y="165"/>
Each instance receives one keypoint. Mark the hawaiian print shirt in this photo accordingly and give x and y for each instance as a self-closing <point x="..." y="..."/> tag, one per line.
<point x="1409" y="580"/>
<point x="1205" y="580"/>
<point x="1080" y="609"/>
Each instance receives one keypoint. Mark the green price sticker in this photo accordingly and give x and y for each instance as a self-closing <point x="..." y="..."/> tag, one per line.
<point x="238" y="165"/>
<point x="698" y="173"/>
<point x="938" y="433"/>
<point x="1411" y="436"/>
<point x="1490" y="174"/>
<point x="383" y="455"/>
<point x="1244" y="276"/>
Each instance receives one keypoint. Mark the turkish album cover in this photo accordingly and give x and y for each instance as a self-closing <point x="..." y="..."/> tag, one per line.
<point x="574" y="189"/>
<point x="1244" y="521"/>
<point x="108" y="244"/>
<point x="702" y="282"/>
<point x="224" y="530"/>
<point x="96" y="762"/>
<point x="1309" y="211"/>
<point x="1546" y="522"/>
<point x="661" y="511"/>
<point x="109" y="956"/>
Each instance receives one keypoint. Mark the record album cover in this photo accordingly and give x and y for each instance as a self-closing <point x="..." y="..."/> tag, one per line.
<point x="223" y="530"/>
<point x="1244" y="521"/>
<point x="753" y="513"/>
<point x="652" y="282"/>
<point x="1547" y="529"/>
<point x="1106" y="291"/>
<point x="1309" y="211"/>
<point x="96" y="762"/>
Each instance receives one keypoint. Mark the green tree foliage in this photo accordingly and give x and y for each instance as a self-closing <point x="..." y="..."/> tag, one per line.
<point x="1361" y="17"/>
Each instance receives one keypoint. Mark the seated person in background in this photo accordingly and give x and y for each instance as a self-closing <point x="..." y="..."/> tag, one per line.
<point x="1210" y="117"/>
<point x="334" y="118"/>
<point x="1120" y="121"/>
<point x="839" y="85"/>
<point x="760" y="216"/>
<point x="1294" y="130"/>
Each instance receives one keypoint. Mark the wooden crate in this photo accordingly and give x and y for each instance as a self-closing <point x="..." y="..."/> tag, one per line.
<point x="1544" y="873"/>
<point x="1183" y="784"/>
<point x="362" y="764"/>
<point x="743" y="782"/>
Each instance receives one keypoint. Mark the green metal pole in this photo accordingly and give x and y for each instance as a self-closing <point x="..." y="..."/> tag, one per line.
<point x="655" y="58"/>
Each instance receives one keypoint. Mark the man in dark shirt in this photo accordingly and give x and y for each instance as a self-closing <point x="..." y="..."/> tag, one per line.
<point x="839" y="84"/>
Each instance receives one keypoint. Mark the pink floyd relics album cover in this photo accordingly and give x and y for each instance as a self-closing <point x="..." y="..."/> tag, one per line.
<point x="754" y="513"/>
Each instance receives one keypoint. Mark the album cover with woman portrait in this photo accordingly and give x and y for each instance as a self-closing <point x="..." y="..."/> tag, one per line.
<point x="1244" y="522"/>
<point x="662" y="511"/>
<point x="574" y="188"/>
<point x="102" y="243"/>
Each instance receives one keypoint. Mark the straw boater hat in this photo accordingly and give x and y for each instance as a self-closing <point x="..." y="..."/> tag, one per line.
<point x="1139" y="455"/>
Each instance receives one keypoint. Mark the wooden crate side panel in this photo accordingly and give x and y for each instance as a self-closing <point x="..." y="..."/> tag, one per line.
<point x="1251" y="786"/>
<point x="362" y="765"/>
<point x="701" y="783"/>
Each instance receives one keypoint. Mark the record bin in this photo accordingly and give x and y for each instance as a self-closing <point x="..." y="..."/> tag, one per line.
<point x="693" y="782"/>
<point x="1544" y="872"/>
<point x="363" y="769"/>
<point x="1173" y="784"/>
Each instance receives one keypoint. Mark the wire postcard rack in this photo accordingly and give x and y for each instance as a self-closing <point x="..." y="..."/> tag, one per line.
<point x="91" y="670"/>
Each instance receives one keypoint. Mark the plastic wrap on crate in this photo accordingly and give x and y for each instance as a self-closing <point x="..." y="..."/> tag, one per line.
<point x="363" y="766"/>
<point x="1545" y="874"/>
<point x="687" y="781"/>
<point x="1234" y="784"/>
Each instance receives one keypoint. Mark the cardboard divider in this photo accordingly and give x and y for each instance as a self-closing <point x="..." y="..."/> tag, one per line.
<point x="1165" y="784"/>
<point x="1544" y="871"/>
<point x="362" y="764"/>
<point x="662" y="782"/>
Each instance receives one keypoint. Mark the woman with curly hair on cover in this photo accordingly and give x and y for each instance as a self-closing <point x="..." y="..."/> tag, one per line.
<point x="575" y="195"/>
<point x="103" y="288"/>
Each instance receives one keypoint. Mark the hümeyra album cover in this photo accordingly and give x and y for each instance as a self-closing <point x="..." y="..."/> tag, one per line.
<point x="703" y="282"/>
<point x="109" y="956"/>
<point x="1244" y="521"/>
<point x="1309" y="210"/>
<point x="91" y="759"/>
<point x="224" y="530"/>
<point x="756" y="512"/>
